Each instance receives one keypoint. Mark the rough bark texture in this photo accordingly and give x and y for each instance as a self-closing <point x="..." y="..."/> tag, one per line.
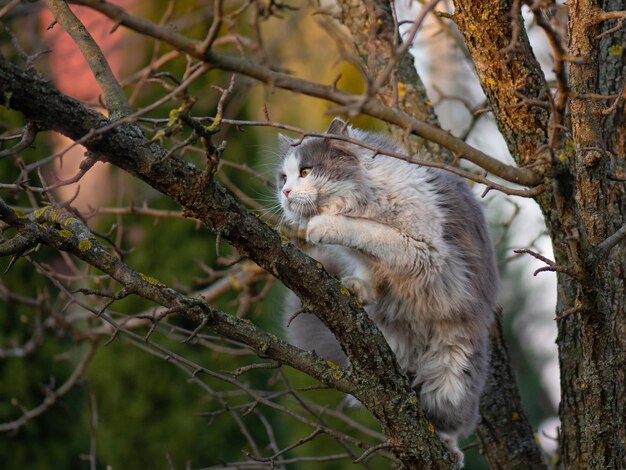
<point x="582" y="209"/>
<point x="376" y="38"/>
<point x="611" y="82"/>
<point x="506" y="438"/>
<point x="580" y="157"/>
<point x="504" y="434"/>
<point x="508" y="72"/>
<point x="592" y="408"/>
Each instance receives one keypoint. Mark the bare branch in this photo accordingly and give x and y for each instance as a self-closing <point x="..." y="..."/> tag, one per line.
<point x="113" y="92"/>
<point x="28" y="138"/>
<point x="84" y="246"/>
<point x="489" y="29"/>
<point x="458" y="147"/>
<point x="211" y="36"/>
<point x="504" y="434"/>
<point x="606" y="246"/>
<point x="52" y="396"/>
<point x="610" y="15"/>
<point x="550" y="265"/>
<point x="8" y="7"/>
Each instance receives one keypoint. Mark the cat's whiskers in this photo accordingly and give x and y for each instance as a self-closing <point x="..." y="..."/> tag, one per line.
<point x="310" y="202"/>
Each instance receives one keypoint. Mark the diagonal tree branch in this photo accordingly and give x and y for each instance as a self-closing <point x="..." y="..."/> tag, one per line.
<point x="504" y="434"/>
<point x="70" y="235"/>
<point x="114" y="94"/>
<point x="382" y="388"/>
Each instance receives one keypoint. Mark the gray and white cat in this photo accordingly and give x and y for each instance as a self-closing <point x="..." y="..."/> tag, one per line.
<point x="411" y="243"/>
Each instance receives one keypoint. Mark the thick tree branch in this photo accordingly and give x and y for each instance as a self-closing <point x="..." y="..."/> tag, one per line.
<point x="509" y="74"/>
<point x="69" y="234"/>
<point x="504" y="434"/>
<point x="376" y="37"/>
<point x="589" y="349"/>
<point x="382" y="387"/>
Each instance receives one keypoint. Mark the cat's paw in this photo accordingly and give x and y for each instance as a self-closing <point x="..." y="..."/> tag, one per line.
<point x="453" y="447"/>
<point x="322" y="229"/>
<point x="360" y="288"/>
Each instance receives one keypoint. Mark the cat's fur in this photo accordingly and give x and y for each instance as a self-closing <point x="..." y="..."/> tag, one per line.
<point x="412" y="244"/>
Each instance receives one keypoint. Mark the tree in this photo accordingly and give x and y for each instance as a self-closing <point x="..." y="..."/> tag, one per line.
<point x="566" y="136"/>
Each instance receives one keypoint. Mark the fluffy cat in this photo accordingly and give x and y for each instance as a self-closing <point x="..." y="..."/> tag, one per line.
<point x="411" y="243"/>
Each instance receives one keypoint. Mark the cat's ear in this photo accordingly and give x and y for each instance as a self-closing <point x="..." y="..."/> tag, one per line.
<point x="284" y="144"/>
<point x="338" y="127"/>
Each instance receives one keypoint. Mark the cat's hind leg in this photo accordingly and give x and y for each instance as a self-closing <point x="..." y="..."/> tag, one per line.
<point x="451" y="442"/>
<point x="450" y="380"/>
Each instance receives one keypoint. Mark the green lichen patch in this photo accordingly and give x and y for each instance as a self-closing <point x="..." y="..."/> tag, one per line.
<point x="215" y="124"/>
<point x="66" y="233"/>
<point x="616" y="49"/>
<point x="151" y="280"/>
<point x="84" y="245"/>
<point x="69" y="221"/>
<point x="40" y="212"/>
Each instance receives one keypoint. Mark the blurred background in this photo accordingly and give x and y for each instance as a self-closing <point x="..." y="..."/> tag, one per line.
<point x="134" y="407"/>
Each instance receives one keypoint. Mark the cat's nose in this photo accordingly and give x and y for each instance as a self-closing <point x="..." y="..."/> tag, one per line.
<point x="286" y="192"/>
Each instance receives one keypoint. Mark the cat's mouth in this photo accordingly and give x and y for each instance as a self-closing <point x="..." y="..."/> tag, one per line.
<point x="302" y="208"/>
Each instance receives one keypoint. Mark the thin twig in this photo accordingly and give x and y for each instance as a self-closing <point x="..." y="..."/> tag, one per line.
<point x="608" y="244"/>
<point x="52" y="396"/>
<point x="28" y="138"/>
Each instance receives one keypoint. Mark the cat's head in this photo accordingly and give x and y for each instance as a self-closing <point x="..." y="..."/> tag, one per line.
<point x="318" y="175"/>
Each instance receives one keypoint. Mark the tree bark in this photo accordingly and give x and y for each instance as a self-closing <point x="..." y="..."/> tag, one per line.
<point x="504" y="434"/>
<point x="591" y="296"/>
<point x="509" y="74"/>
<point x="376" y="38"/>
<point x="583" y="207"/>
<point x="576" y="150"/>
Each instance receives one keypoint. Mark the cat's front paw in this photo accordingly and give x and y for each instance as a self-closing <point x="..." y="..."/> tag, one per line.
<point x="321" y="229"/>
<point x="361" y="289"/>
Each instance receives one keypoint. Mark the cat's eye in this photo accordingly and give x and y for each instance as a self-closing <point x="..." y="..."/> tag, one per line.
<point x="304" y="172"/>
<point x="283" y="179"/>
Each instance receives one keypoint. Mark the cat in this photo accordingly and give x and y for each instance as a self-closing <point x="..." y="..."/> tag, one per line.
<point x="411" y="243"/>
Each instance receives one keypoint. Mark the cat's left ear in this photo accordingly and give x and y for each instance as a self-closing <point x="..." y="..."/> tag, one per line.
<point x="338" y="127"/>
<point x="284" y="144"/>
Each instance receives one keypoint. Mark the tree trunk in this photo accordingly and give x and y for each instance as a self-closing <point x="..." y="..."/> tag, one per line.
<point x="591" y="308"/>
<point x="585" y="205"/>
